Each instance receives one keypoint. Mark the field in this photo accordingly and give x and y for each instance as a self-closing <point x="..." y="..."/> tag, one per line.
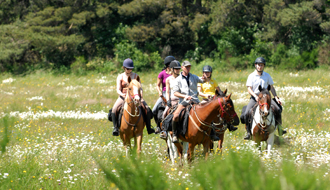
<point x="59" y="137"/>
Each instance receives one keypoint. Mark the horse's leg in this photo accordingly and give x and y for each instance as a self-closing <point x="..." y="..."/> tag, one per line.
<point x="172" y="149"/>
<point x="185" y="150"/>
<point x="220" y="142"/>
<point x="180" y="149"/>
<point x="206" y="146"/>
<point x="139" y="143"/>
<point x="191" y="152"/>
<point x="270" y="142"/>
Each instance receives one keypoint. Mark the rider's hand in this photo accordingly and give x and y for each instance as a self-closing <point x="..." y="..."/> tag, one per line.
<point x="209" y="96"/>
<point x="160" y="94"/>
<point x="188" y="98"/>
<point x="278" y="100"/>
<point x="257" y="98"/>
<point x="169" y="103"/>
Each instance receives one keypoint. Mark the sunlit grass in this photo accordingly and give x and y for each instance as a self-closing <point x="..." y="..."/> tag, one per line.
<point x="63" y="152"/>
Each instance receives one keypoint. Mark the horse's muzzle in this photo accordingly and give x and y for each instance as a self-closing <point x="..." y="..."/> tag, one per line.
<point x="235" y="121"/>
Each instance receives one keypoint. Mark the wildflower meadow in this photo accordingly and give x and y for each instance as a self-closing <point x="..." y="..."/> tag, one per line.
<point x="54" y="134"/>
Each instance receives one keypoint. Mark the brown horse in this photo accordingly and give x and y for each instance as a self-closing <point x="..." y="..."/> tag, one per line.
<point x="263" y="125"/>
<point x="200" y="119"/>
<point x="132" y="123"/>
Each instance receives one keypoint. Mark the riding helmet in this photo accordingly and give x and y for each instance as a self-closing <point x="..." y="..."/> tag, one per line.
<point x="128" y="63"/>
<point x="168" y="59"/>
<point x="207" y="68"/>
<point x="260" y="60"/>
<point x="175" y="64"/>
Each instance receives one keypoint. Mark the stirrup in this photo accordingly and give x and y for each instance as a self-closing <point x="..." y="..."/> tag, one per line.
<point x="163" y="135"/>
<point x="215" y="138"/>
<point x="158" y="130"/>
<point x="175" y="139"/>
<point x="247" y="137"/>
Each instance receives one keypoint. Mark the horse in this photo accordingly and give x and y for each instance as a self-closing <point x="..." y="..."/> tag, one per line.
<point x="132" y="123"/>
<point x="199" y="123"/>
<point x="263" y="125"/>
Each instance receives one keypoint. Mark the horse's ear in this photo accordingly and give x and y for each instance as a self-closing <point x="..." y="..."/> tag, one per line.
<point x="138" y="78"/>
<point x="129" y="79"/>
<point x="229" y="96"/>
<point x="269" y="87"/>
<point x="225" y="92"/>
<point x="259" y="88"/>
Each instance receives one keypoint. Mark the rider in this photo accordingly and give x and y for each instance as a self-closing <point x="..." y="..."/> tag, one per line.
<point x="259" y="77"/>
<point x="171" y="99"/>
<point x="161" y="80"/>
<point x="185" y="88"/>
<point x="122" y="83"/>
<point x="207" y="89"/>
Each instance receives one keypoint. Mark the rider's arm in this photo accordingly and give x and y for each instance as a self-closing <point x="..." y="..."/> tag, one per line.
<point x="159" y="82"/>
<point x="252" y="93"/>
<point x="272" y="89"/>
<point x="168" y="89"/>
<point x="119" y="87"/>
<point x="200" y="92"/>
<point x="179" y="95"/>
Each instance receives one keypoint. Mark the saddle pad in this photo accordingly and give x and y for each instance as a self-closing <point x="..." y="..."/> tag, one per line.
<point x="184" y="120"/>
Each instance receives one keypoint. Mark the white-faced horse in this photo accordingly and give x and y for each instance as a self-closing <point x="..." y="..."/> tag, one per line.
<point x="263" y="124"/>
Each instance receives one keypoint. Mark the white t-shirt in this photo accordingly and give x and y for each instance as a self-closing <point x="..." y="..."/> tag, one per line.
<point x="254" y="80"/>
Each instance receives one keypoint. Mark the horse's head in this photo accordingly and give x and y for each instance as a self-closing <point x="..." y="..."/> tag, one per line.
<point x="264" y="101"/>
<point x="133" y="91"/>
<point x="227" y="109"/>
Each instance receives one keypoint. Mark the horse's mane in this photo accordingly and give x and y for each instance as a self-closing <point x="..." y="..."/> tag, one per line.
<point x="135" y="83"/>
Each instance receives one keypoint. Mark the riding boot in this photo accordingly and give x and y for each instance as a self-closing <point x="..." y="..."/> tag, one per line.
<point x="213" y="136"/>
<point x="115" y="131"/>
<point x="156" y="121"/>
<point x="148" y="123"/>
<point x="248" y="132"/>
<point x="175" y="132"/>
<point x="231" y="127"/>
<point x="279" y="125"/>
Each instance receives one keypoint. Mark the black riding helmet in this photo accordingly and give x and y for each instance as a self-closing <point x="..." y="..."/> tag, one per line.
<point x="207" y="68"/>
<point x="168" y="59"/>
<point x="260" y="60"/>
<point x="175" y="64"/>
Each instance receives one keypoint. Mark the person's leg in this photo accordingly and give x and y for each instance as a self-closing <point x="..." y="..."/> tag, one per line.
<point x="251" y="103"/>
<point x="278" y="118"/>
<point x="115" y="131"/>
<point x="155" y="112"/>
<point x="148" y="118"/>
<point x="175" y="122"/>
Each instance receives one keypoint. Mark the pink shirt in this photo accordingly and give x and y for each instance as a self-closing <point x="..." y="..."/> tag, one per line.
<point x="163" y="76"/>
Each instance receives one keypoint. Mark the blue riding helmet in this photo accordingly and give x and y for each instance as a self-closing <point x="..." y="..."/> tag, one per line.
<point x="128" y="63"/>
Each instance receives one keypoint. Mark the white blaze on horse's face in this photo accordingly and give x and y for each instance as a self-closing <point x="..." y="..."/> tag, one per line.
<point x="136" y="96"/>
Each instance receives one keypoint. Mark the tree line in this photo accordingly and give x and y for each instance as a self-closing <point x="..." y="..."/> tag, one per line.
<point x="83" y="35"/>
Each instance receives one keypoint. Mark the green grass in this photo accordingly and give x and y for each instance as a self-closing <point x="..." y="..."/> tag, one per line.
<point x="57" y="153"/>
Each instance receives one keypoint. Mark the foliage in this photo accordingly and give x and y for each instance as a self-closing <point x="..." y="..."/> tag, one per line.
<point x="52" y="34"/>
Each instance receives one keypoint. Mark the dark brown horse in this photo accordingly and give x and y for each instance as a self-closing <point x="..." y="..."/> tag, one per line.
<point x="200" y="119"/>
<point x="132" y="123"/>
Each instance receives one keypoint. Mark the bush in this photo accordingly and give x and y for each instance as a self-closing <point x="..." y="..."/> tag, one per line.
<point x="142" y="61"/>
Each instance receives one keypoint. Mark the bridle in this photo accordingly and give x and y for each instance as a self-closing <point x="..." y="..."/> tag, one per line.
<point x="131" y="98"/>
<point x="219" y="116"/>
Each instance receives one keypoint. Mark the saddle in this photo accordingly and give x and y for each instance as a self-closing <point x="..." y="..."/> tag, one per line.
<point x="119" y="114"/>
<point x="250" y="113"/>
<point x="183" y="121"/>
